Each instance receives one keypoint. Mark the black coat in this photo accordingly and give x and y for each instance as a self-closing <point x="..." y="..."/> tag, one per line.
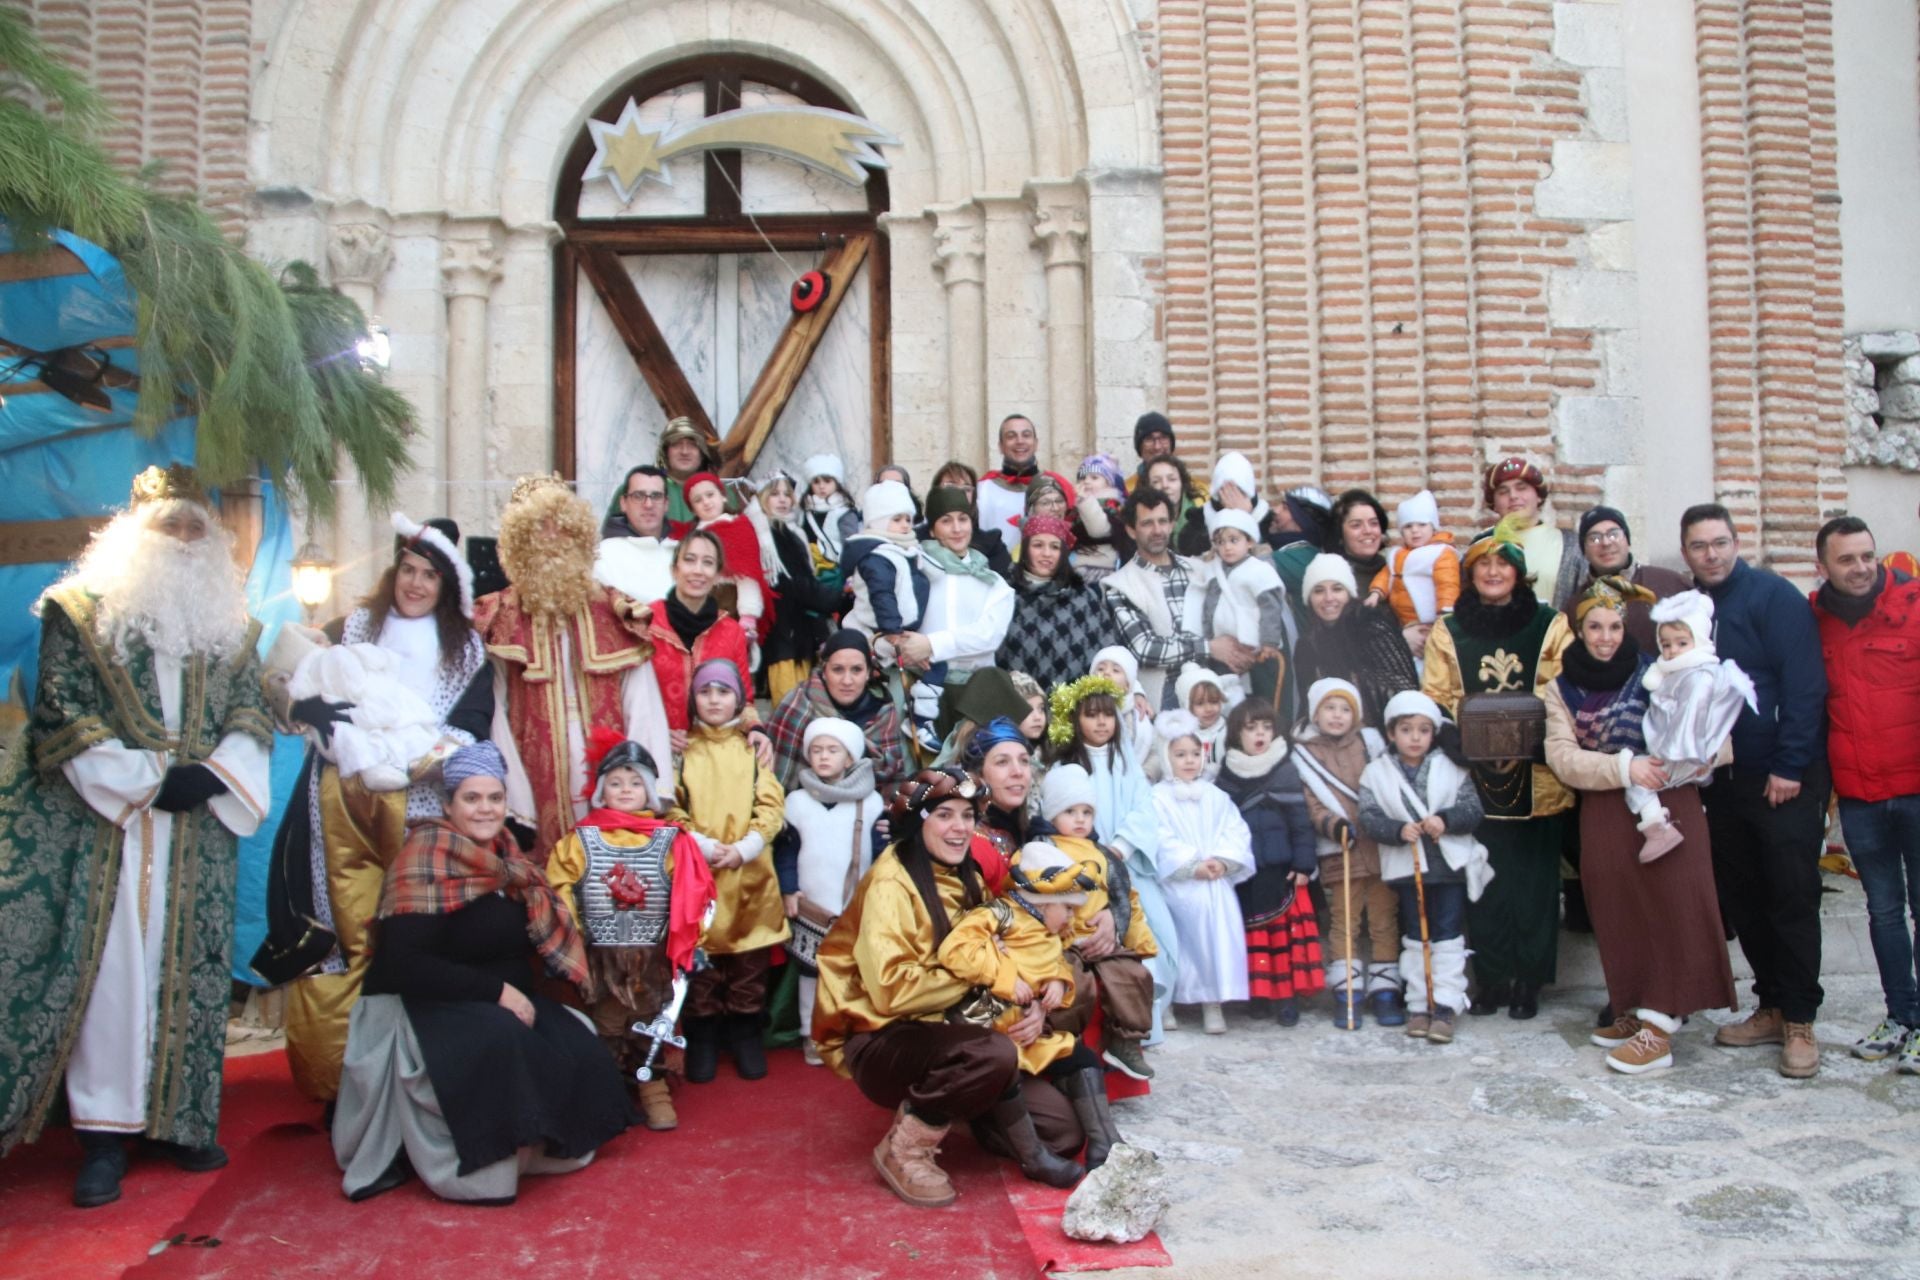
<point x="802" y="615"/>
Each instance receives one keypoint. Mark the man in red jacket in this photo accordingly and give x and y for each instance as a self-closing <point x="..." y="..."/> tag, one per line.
<point x="1869" y="618"/>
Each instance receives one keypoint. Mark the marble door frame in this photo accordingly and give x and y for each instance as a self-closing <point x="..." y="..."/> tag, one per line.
<point x="594" y="247"/>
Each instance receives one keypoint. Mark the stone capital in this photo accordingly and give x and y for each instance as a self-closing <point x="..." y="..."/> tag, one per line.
<point x="1059" y="211"/>
<point x="359" y="244"/>
<point x="960" y="243"/>
<point x="470" y="257"/>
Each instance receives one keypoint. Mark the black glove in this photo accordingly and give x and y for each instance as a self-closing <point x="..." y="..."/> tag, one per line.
<point x="523" y="835"/>
<point x="1342" y="831"/>
<point x="320" y="714"/>
<point x="186" y="786"/>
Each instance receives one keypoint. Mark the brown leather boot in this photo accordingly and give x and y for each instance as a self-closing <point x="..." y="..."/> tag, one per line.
<point x="656" y="1103"/>
<point x="904" y="1160"/>
<point x="1799" y="1052"/>
<point x="1765" y="1026"/>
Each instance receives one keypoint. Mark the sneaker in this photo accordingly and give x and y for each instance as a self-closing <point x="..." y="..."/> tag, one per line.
<point x="1649" y="1049"/>
<point x="1126" y="1057"/>
<point x="1624" y="1028"/>
<point x="1883" y="1041"/>
<point x="929" y="740"/>
<point x="1386" y="1007"/>
<point x="1418" y="1024"/>
<point x="810" y="1054"/>
<point x="1763" y="1026"/>
<point x="1799" y="1052"/>
<point x="1908" y="1064"/>
<point x="1440" y="1030"/>
<point x="1213" y="1019"/>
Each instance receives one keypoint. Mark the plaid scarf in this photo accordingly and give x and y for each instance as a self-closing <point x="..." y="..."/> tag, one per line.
<point x="440" y="871"/>
<point x="1610" y="720"/>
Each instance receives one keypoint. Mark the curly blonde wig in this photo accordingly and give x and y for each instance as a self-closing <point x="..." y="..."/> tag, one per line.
<point x="547" y="540"/>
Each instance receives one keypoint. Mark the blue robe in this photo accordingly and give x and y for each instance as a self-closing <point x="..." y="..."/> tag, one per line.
<point x="1123" y="811"/>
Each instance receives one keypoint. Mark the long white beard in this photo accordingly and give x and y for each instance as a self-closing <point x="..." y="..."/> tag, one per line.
<point x="180" y="598"/>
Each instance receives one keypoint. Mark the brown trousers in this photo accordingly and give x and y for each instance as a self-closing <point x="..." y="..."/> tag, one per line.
<point x="615" y="1012"/>
<point x="945" y="1073"/>
<point x="1376" y="899"/>
<point x="733" y="984"/>
<point x="1119" y="985"/>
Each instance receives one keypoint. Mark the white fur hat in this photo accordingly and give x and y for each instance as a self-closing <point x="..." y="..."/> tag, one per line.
<point x="1231" y="518"/>
<point x="1168" y="728"/>
<point x="1421" y="508"/>
<point x="1327" y="567"/>
<point x="825" y="464"/>
<point x="1412" y="702"/>
<point x="844" y="732"/>
<point x="1234" y="468"/>
<point x="1326" y="687"/>
<point x="1122" y="657"/>
<point x="884" y="501"/>
<point x="1693" y="610"/>
<point x="1192" y="676"/>
<point x="1065" y="786"/>
<point x="462" y="571"/>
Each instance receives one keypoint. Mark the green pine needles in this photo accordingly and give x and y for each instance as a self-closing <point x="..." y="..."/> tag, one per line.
<point x="268" y="365"/>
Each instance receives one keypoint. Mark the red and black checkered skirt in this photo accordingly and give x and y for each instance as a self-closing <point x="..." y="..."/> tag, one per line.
<point x="1283" y="952"/>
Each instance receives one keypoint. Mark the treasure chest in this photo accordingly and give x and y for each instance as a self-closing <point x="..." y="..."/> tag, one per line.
<point x="1503" y="727"/>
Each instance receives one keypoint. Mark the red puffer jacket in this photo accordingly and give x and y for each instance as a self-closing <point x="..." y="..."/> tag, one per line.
<point x="1873" y="694"/>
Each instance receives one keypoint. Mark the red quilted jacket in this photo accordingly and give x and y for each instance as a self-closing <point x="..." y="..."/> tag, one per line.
<point x="1873" y="695"/>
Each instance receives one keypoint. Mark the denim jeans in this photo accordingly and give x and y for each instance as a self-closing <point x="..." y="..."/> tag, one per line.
<point x="1446" y="909"/>
<point x="1884" y="841"/>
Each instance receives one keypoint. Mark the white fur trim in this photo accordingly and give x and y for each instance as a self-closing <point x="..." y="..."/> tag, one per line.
<point x="410" y="531"/>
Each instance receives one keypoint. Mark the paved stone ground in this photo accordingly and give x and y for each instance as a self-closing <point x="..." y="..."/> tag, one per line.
<point x="1514" y="1151"/>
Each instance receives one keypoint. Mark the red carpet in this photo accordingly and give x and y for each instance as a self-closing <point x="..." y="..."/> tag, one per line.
<point x="760" y="1178"/>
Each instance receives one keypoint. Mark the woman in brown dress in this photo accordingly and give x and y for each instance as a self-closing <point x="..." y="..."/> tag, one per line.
<point x="1662" y="946"/>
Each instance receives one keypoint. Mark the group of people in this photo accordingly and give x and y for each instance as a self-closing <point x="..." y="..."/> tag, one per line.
<point x="1048" y="765"/>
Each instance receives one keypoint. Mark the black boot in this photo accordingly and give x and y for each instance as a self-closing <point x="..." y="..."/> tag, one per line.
<point x="103" y="1162"/>
<point x="1492" y="996"/>
<point x="1036" y="1159"/>
<point x="1526" y="1001"/>
<point x="703" y="1049"/>
<point x="193" y="1159"/>
<point x="744" y="1041"/>
<point x="1088" y="1090"/>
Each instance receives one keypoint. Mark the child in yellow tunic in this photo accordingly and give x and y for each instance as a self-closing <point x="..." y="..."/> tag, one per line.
<point x="1015" y="947"/>
<point x="1118" y="980"/>
<point x="733" y="809"/>
<point x="640" y="911"/>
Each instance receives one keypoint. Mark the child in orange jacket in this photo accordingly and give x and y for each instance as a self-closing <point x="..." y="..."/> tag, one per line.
<point x="1422" y="578"/>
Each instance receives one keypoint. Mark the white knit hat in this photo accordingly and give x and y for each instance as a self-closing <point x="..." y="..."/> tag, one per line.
<point x="884" y="501"/>
<point x="1065" y="786"/>
<point x="1326" y="687"/>
<point x="1120" y="656"/>
<point x="1327" y="567"/>
<point x="1234" y="468"/>
<point x="1421" y="508"/>
<point x="825" y="464"/>
<point x="1412" y="702"/>
<point x="844" y="732"/>
<point x="1693" y="610"/>
<point x="1231" y="518"/>
<point x="1192" y="676"/>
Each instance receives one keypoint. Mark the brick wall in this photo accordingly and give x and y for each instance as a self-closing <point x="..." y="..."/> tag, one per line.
<point x="176" y="73"/>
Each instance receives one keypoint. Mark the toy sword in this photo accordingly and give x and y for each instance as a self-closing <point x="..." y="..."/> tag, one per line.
<point x="660" y="1028"/>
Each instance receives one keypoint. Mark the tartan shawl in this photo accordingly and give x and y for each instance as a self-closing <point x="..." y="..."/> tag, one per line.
<point x="886" y="744"/>
<point x="440" y="871"/>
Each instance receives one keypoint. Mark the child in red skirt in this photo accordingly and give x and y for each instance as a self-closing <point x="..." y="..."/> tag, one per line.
<point x="1283" y="942"/>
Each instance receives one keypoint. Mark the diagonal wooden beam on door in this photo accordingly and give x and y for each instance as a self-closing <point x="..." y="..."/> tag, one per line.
<point x="781" y="373"/>
<point x="634" y="323"/>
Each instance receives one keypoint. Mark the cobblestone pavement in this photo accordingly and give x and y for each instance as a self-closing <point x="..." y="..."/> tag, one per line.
<point x="1514" y="1151"/>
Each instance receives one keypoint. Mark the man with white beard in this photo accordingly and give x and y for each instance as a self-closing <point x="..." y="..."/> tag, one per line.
<point x="145" y="758"/>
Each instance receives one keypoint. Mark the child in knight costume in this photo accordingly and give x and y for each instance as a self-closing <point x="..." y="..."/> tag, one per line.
<point x="827" y="845"/>
<point x="638" y="888"/>
<point x="1013" y="951"/>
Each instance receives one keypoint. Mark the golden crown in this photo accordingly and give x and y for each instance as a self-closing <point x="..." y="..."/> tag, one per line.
<point x="167" y="484"/>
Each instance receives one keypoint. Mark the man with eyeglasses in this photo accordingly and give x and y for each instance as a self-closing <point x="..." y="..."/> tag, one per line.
<point x="1767" y="811"/>
<point x="1607" y="543"/>
<point x="636" y="556"/>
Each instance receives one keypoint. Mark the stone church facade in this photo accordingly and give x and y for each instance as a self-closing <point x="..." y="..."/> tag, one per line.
<point x="1671" y="248"/>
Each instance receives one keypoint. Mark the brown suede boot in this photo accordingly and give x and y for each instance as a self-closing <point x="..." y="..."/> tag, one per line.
<point x="904" y="1160"/>
<point x="1765" y="1026"/>
<point x="656" y="1103"/>
<point x="1799" y="1052"/>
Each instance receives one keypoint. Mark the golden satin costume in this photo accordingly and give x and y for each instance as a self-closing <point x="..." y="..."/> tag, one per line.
<point x="1443" y="684"/>
<point x="363" y="829"/>
<point x="1139" y="935"/>
<point x="992" y="946"/>
<point x="878" y="965"/>
<point x="724" y="797"/>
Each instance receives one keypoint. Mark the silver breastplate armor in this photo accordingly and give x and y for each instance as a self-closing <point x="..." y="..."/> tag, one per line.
<point x="625" y="893"/>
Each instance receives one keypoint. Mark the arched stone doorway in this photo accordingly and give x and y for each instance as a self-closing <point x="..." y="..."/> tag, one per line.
<point x="673" y="297"/>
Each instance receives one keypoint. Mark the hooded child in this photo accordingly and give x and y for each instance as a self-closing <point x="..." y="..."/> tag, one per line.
<point x="1694" y="699"/>
<point x="1245" y="600"/>
<point x="1422" y="577"/>
<point x="1205" y="849"/>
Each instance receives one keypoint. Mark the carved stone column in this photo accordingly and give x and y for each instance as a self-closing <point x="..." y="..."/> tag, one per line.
<point x="1060" y="229"/>
<point x="960" y="254"/>
<point x="359" y="251"/>
<point x="469" y="267"/>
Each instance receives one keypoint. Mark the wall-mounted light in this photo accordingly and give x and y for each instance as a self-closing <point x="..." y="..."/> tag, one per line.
<point x="376" y="349"/>
<point x="312" y="577"/>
